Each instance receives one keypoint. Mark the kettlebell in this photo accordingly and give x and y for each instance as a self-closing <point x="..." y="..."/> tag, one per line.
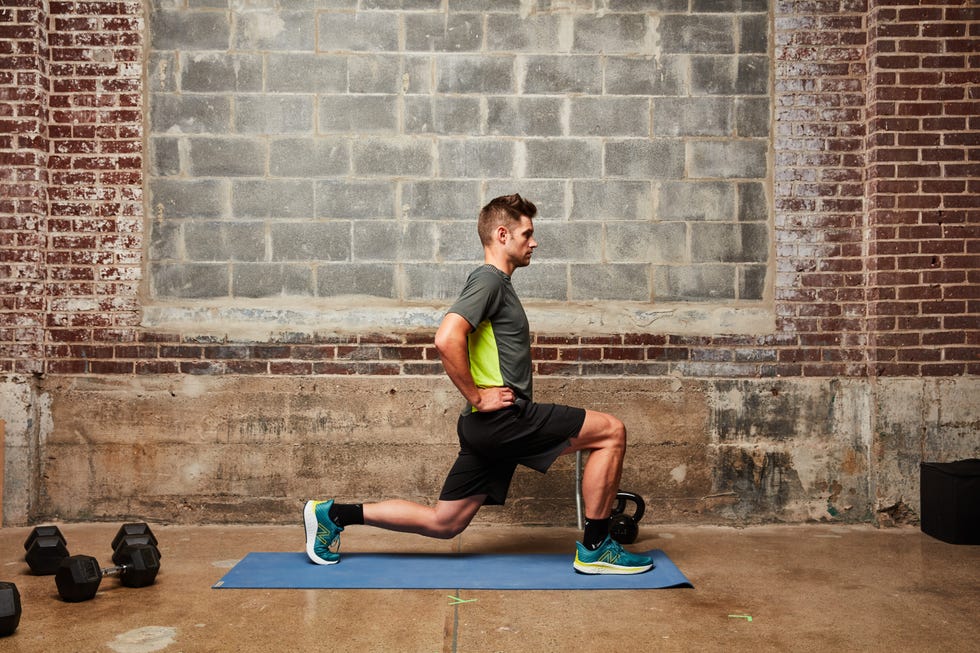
<point x="622" y="527"/>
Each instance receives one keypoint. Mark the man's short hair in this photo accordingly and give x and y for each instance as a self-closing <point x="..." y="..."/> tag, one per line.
<point x="504" y="210"/>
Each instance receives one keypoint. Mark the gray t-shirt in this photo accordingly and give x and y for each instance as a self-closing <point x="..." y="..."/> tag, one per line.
<point x="500" y="342"/>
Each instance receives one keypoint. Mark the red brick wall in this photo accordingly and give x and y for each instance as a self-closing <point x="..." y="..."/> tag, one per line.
<point x="924" y="187"/>
<point x="23" y="176"/>
<point x="875" y="193"/>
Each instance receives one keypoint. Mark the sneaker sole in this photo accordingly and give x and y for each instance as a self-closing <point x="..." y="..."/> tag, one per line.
<point x="309" y="520"/>
<point x="596" y="568"/>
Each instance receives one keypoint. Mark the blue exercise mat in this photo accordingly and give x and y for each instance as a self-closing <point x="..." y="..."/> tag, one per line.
<point x="534" y="571"/>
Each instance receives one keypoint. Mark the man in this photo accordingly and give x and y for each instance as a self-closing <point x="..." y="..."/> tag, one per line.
<point x="485" y="344"/>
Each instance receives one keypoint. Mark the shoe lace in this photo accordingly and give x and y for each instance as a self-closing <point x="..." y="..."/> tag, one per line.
<point x="614" y="551"/>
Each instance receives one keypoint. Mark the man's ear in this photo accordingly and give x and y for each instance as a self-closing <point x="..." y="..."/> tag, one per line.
<point x="502" y="233"/>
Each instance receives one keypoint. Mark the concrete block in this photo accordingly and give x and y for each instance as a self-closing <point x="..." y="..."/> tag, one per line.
<point x="610" y="281"/>
<point x="189" y="280"/>
<point x="388" y="240"/>
<point x="659" y="6"/>
<point x="548" y="195"/>
<point x="486" y="5"/>
<point x="533" y="33"/>
<point x="302" y="72"/>
<point x="752" y="203"/>
<point x="189" y="30"/>
<point x="439" y="32"/>
<point x="216" y="72"/>
<point x="274" y="114"/>
<point x="729" y="242"/>
<point x="272" y="198"/>
<point x="435" y="282"/>
<point x="727" y="159"/>
<point x="647" y="242"/>
<point x="162" y="72"/>
<point x="753" y="117"/>
<point x="751" y="282"/>
<point x="703" y="116"/>
<point x="226" y="157"/>
<point x="608" y="200"/>
<point x="696" y="201"/>
<point x="408" y="5"/>
<point x="257" y="280"/>
<point x="549" y="75"/>
<point x="753" y="33"/>
<point x="525" y="116"/>
<point x="697" y="33"/>
<point x="310" y="241"/>
<point x="418" y="76"/>
<point x="713" y="75"/>
<point x="374" y="73"/>
<point x="394" y="157"/>
<point x="441" y="200"/>
<point x="165" y="239"/>
<point x="576" y="242"/>
<point x="644" y="159"/>
<point x="612" y="33"/>
<point x="609" y="116"/>
<point x="563" y="157"/>
<point x="309" y="157"/>
<point x="343" y="279"/>
<point x="458" y="241"/>
<point x="693" y="282"/>
<point x="353" y="199"/>
<point x="224" y="241"/>
<point x="476" y="158"/>
<point x="357" y="32"/>
<point x="358" y="113"/>
<point x="275" y="30"/>
<point x="164" y="156"/>
<point x="542" y="281"/>
<point x="188" y="198"/>
<point x="752" y="77"/>
<point x="190" y="114"/>
<point x="441" y="114"/>
<point x="475" y="74"/>
<point x="663" y="75"/>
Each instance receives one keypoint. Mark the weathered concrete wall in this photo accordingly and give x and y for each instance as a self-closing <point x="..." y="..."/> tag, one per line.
<point x="27" y="421"/>
<point x="252" y="449"/>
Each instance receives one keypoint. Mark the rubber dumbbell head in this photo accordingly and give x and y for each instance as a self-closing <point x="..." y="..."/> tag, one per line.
<point x="141" y="529"/>
<point x="119" y="555"/>
<point x="9" y="609"/>
<point x="78" y="578"/>
<point x="46" y="548"/>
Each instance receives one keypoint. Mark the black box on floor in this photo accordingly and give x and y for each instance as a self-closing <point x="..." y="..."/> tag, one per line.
<point x="950" y="500"/>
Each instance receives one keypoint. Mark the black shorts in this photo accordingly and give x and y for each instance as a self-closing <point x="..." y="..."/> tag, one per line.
<point x="492" y="445"/>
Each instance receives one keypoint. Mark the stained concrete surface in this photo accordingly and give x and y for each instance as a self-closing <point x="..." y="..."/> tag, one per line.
<point x="805" y="587"/>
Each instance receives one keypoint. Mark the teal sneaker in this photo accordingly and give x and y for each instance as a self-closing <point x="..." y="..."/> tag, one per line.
<point x="321" y="533"/>
<point x="610" y="558"/>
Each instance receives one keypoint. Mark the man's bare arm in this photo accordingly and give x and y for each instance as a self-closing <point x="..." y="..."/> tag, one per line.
<point x="451" y="341"/>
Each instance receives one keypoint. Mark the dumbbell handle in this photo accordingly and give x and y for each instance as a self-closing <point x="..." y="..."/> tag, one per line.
<point x="116" y="570"/>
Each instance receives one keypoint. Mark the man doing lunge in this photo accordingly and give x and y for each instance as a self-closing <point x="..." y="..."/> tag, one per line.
<point x="485" y="344"/>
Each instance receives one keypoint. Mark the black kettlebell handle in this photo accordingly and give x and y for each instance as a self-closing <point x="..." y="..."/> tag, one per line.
<point x="622" y="498"/>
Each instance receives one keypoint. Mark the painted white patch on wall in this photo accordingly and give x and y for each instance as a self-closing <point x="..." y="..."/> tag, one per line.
<point x="679" y="473"/>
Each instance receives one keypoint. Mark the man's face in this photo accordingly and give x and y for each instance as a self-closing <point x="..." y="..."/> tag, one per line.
<point x="520" y="242"/>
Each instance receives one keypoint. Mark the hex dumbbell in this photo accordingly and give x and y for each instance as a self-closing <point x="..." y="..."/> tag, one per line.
<point x="79" y="576"/>
<point x="45" y="548"/>
<point x="9" y="609"/>
<point x="129" y="535"/>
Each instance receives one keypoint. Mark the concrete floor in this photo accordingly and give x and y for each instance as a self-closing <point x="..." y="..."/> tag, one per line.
<point x="807" y="588"/>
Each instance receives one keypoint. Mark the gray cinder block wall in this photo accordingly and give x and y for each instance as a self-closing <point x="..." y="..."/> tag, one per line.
<point x="324" y="149"/>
